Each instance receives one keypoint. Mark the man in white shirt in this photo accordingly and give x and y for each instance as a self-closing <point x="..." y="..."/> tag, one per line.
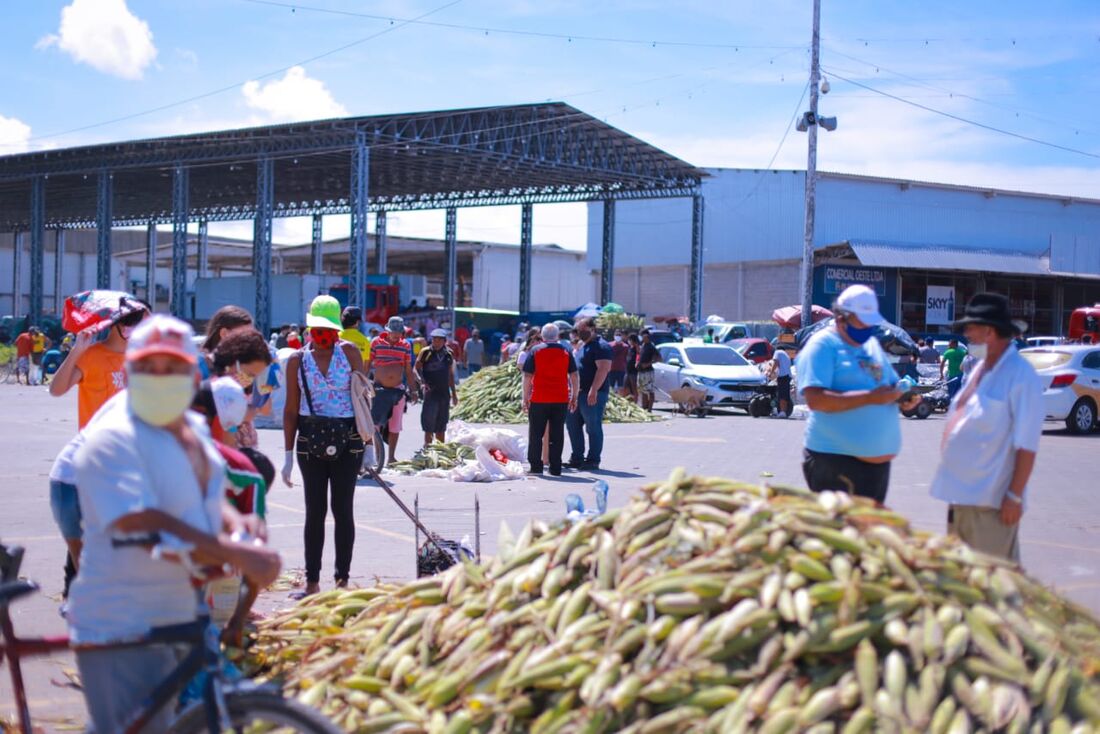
<point x="148" y="470"/>
<point x="992" y="434"/>
<point x="783" y="380"/>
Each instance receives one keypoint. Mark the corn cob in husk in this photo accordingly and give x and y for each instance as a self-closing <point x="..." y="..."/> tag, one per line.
<point x="704" y="605"/>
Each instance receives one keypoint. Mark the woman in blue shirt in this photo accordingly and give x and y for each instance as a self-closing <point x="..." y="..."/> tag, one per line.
<point x="851" y="389"/>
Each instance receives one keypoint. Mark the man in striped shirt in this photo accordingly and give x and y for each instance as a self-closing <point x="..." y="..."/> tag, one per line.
<point x="391" y="360"/>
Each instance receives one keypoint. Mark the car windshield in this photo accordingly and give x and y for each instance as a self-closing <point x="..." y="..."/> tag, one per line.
<point x="715" y="357"/>
<point x="721" y="332"/>
<point x="1042" y="359"/>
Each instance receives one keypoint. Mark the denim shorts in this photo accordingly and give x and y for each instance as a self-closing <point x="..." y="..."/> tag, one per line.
<point x="66" y="510"/>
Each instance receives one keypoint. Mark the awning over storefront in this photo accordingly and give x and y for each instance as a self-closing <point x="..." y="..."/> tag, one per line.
<point x="921" y="256"/>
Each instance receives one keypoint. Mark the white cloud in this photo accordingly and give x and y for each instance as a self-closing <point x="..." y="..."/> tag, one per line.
<point x="14" y="135"/>
<point x="879" y="137"/>
<point x="105" y="35"/>
<point x="293" y="97"/>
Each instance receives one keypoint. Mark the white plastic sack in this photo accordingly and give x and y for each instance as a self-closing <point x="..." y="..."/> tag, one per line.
<point x="485" y="469"/>
<point x="510" y="443"/>
<point x="469" y="471"/>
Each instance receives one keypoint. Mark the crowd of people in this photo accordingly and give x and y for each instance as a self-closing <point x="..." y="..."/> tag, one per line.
<point x="149" y="494"/>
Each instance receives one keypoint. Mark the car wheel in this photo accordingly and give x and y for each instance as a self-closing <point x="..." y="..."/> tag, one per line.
<point x="923" y="409"/>
<point x="1082" y="418"/>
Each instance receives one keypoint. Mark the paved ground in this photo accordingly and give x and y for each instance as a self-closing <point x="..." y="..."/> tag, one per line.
<point x="1061" y="533"/>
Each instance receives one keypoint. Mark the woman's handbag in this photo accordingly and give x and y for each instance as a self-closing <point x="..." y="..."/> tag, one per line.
<point x="323" y="437"/>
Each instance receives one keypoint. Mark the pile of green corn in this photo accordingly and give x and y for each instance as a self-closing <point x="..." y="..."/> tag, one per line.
<point x="495" y="395"/>
<point x="436" y="455"/>
<point x="704" y="605"/>
<point x="609" y="322"/>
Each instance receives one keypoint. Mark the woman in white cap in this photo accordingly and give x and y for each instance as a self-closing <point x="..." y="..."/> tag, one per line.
<point x="851" y="389"/>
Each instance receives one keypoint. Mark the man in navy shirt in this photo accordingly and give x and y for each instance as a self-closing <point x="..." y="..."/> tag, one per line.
<point x="595" y="364"/>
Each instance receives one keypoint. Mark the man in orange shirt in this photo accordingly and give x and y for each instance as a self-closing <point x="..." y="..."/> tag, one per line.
<point x="24" y="343"/>
<point x="96" y="366"/>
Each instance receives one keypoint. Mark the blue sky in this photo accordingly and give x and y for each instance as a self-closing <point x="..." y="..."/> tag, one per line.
<point x="713" y="82"/>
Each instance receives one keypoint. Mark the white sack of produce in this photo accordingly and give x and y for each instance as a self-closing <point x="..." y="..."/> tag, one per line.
<point x="511" y="443"/>
<point x="486" y="469"/>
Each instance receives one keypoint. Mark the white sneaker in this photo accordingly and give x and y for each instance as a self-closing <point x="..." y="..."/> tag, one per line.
<point x="781" y="414"/>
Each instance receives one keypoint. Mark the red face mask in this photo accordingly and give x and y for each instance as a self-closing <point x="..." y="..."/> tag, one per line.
<point x="323" y="338"/>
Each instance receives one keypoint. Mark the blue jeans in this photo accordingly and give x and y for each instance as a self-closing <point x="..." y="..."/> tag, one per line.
<point x="587" y="418"/>
<point x="66" y="510"/>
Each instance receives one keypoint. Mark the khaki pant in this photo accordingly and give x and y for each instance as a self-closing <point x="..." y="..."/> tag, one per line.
<point x="981" y="528"/>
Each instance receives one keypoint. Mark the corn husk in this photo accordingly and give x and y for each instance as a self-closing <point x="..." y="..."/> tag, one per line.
<point x="495" y="395"/>
<point x="704" y="605"/>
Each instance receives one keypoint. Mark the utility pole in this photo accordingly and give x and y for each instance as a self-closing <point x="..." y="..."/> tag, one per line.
<point x="810" y="122"/>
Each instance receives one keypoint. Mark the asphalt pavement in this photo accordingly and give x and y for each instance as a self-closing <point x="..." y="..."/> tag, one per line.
<point x="1060" y="532"/>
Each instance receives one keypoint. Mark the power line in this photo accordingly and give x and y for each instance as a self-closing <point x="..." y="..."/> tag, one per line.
<point x="965" y="120"/>
<point x="1010" y="40"/>
<point x="782" y="140"/>
<point x="229" y="87"/>
<point x="952" y="93"/>
<point x="511" y="31"/>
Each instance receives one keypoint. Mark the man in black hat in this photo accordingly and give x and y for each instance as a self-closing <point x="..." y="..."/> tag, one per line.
<point x="992" y="434"/>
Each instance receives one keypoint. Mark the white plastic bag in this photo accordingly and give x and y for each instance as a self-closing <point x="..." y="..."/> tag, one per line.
<point x="511" y="443"/>
<point x="469" y="471"/>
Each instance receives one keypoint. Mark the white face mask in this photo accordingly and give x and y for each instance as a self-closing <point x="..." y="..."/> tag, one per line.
<point x="160" y="399"/>
<point x="978" y="351"/>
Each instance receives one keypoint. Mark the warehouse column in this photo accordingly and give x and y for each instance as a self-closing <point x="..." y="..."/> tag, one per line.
<point x="58" y="269"/>
<point x="103" y="219"/>
<point x="607" y="267"/>
<point x="695" y="301"/>
<point x="16" y="272"/>
<point x="357" y="255"/>
<point x="451" y="275"/>
<point x="380" y="243"/>
<point x="261" y="242"/>
<point x="177" y="298"/>
<point x="316" y="249"/>
<point x="151" y="264"/>
<point x="203" y="266"/>
<point x="526" y="229"/>
<point x="38" y="247"/>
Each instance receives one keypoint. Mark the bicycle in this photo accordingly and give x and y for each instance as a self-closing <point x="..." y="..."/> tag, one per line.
<point x="225" y="706"/>
<point x="8" y="373"/>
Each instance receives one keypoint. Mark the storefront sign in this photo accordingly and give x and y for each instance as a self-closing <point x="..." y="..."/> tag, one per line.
<point x="940" y="305"/>
<point x="839" y="277"/>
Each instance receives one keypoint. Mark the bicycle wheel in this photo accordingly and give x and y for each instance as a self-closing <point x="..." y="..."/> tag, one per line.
<point x="257" y="711"/>
<point x="376" y="452"/>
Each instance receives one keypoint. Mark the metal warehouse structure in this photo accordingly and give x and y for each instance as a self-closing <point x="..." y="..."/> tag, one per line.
<point x="526" y="155"/>
<point x="912" y="241"/>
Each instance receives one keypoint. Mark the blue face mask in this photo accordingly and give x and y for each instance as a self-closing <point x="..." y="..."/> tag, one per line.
<point x="859" y="336"/>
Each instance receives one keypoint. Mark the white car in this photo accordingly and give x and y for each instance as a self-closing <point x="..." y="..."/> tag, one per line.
<point x="728" y="378"/>
<point x="1045" y="341"/>
<point x="1071" y="383"/>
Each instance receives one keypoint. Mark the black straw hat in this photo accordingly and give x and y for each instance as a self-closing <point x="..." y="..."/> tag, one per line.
<point x="991" y="309"/>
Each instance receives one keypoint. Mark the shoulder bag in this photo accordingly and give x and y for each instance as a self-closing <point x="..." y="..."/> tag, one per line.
<point x="321" y="437"/>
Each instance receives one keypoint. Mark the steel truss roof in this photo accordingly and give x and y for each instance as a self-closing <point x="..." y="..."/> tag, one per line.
<point x="538" y="153"/>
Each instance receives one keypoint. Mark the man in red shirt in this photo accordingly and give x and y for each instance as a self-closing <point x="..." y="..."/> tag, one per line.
<point x="24" y="343"/>
<point x="550" y="389"/>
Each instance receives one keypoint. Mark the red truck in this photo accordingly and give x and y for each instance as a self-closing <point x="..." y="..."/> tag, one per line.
<point x="1084" y="325"/>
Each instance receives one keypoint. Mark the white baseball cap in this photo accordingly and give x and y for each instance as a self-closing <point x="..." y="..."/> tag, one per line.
<point x="163" y="334"/>
<point x="861" y="302"/>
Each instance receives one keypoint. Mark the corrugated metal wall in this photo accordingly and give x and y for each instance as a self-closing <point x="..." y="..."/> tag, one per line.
<point x="758" y="216"/>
